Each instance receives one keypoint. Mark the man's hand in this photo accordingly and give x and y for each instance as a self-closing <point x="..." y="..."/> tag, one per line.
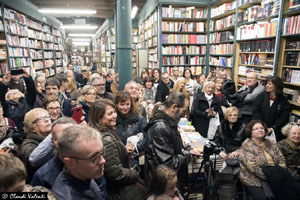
<point x="233" y="155"/>
<point x="223" y="155"/>
<point x="194" y="152"/>
<point x="25" y="74"/>
<point x="6" y="78"/>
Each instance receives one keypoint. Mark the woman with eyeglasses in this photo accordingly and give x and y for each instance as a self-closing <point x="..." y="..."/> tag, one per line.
<point x="257" y="152"/>
<point x="86" y="99"/>
<point x="37" y="124"/>
<point x="53" y="106"/>
<point x="120" y="177"/>
<point x="230" y="134"/>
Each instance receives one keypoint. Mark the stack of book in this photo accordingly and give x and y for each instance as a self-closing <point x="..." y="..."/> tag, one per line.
<point x="258" y="30"/>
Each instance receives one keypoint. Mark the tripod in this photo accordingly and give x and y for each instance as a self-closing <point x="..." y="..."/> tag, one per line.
<point x="210" y="187"/>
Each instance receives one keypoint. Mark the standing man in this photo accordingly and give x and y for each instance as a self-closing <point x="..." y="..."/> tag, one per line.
<point x="163" y="88"/>
<point x="77" y="76"/>
<point x="82" y="155"/>
<point x="99" y="84"/>
<point x="229" y="86"/>
<point x="163" y="141"/>
<point x="175" y="74"/>
<point x="110" y="77"/>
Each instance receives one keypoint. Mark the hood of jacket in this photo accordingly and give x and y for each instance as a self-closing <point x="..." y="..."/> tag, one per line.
<point x="160" y="115"/>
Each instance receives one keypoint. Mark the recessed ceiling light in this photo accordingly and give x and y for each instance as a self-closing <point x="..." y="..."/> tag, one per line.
<point x="134" y="11"/>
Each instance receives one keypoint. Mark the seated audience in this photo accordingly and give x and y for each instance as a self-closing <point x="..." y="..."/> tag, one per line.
<point x="256" y="152"/>
<point x="272" y="107"/>
<point x="15" y="105"/>
<point x="121" y="178"/>
<point x="82" y="155"/>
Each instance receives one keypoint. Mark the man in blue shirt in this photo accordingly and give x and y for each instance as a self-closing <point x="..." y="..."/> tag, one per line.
<point x="82" y="155"/>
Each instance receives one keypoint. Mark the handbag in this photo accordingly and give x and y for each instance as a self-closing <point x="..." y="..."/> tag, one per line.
<point x="232" y="162"/>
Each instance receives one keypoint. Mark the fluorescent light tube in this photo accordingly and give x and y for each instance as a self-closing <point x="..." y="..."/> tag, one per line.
<point x="81" y="35"/>
<point x="81" y="43"/>
<point x="67" y="11"/>
<point x="134" y="11"/>
<point x="81" y="39"/>
<point x="79" y="27"/>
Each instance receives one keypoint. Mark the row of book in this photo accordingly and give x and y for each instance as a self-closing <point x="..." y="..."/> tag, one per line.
<point x="33" y="24"/>
<point x="56" y="32"/>
<point x="196" y="70"/>
<point x="36" y="54"/>
<point x="292" y="45"/>
<point x="220" y="61"/>
<point x="49" y="72"/>
<point x="179" y="50"/>
<point x="221" y="37"/>
<point x="152" y="57"/>
<point x="58" y="62"/>
<point x="292" y="76"/>
<point x="257" y="30"/>
<point x="258" y="46"/>
<point x="188" y="12"/>
<point x="294" y="4"/>
<point x="253" y="13"/>
<point x="263" y="73"/>
<point x="183" y="60"/>
<point x="3" y="68"/>
<point x="47" y="45"/>
<point x="35" y="44"/>
<point x="49" y="63"/>
<point x="183" y="26"/>
<point x="3" y="54"/>
<point x="38" y="65"/>
<point x="58" y="54"/>
<point x="57" y="40"/>
<point x="257" y="59"/>
<point x="291" y="25"/>
<point x="1" y="26"/>
<point x="214" y="69"/>
<point x="46" y="28"/>
<point x="244" y="2"/>
<point x="15" y="16"/>
<point x="222" y="23"/>
<point x="35" y="34"/>
<point x="21" y="52"/>
<point x="183" y="39"/>
<point x="292" y="58"/>
<point x="221" y="49"/>
<point x="17" y="41"/>
<point x="148" y="23"/>
<point x="48" y="37"/>
<point x="222" y="9"/>
<point x="19" y="62"/>
<point x="15" y="28"/>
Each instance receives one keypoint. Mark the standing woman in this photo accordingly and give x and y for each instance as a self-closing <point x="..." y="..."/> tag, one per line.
<point x="156" y="74"/>
<point x="86" y="99"/>
<point x="129" y="120"/>
<point x="272" y="107"/>
<point x="149" y="91"/>
<point x="205" y="106"/>
<point x="121" y="178"/>
<point x="189" y="82"/>
<point x="218" y="92"/>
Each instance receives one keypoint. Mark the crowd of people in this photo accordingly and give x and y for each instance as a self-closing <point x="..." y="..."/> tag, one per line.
<point x="99" y="155"/>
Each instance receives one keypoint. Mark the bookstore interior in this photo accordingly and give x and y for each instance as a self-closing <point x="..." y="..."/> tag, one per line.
<point x="205" y="35"/>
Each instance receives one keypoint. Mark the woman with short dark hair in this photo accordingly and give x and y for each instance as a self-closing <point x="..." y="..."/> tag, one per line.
<point x="272" y="107"/>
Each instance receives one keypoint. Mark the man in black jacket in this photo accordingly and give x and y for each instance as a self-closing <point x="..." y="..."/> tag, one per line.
<point x="163" y="88"/>
<point x="163" y="141"/>
<point x="229" y="86"/>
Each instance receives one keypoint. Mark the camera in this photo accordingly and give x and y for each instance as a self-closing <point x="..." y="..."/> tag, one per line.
<point x="211" y="148"/>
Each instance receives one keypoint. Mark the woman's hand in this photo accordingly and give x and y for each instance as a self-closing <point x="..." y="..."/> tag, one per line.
<point x="6" y="78"/>
<point x="223" y="155"/>
<point x="194" y="152"/>
<point x="83" y="122"/>
<point x="129" y="148"/>
<point x="233" y="155"/>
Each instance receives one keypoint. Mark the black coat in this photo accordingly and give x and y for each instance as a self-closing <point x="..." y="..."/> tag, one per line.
<point x="164" y="146"/>
<point x="85" y="110"/>
<point x="163" y="91"/>
<point x="228" y="89"/>
<point x="129" y="126"/>
<point x="199" y="117"/>
<point x="275" y="116"/>
<point x="16" y="110"/>
<point x="232" y="139"/>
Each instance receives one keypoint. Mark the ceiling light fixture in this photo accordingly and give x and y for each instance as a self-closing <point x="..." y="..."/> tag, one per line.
<point x="81" y="35"/>
<point x="67" y="11"/>
<point x="81" y="43"/>
<point x="81" y="39"/>
<point x="134" y="11"/>
<point x="87" y="27"/>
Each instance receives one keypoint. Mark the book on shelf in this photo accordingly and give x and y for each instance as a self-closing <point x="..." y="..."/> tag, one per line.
<point x="49" y="63"/>
<point x="3" y="54"/>
<point x="291" y="94"/>
<point x="222" y="23"/>
<point x="183" y="39"/>
<point x="14" y="28"/>
<point x="2" y="42"/>
<point x="47" y="45"/>
<point x="292" y="58"/>
<point x="183" y="60"/>
<point x="35" y="34"/>
<point x="48" y="54"/>
<point x="294" y="5"/>
<point x="221" y="37"/>
<point x="46" y="28"/>
<point x="221" y="49"/>
<point x="295" y="116"/>
<point x="33" y="24"/>
<point x="196" y="70"/>
<point x="183" y="26"/>
<point x="36" y="54"/>
<point x="49" y="72"/>
<point x="35" y="43"/>
<point x="4" y="68"/>
<point x="258" y="46"/>
<point x="223" y="9"/>
<point x="22" y="52"/>
<point x="253" y="59"/>
<point x="17" y="41"/>
<point x="220" y="61"/>
<point x="292" y="45"/>
<point x="38" y="65"/>
<point x="19" y="62"/>
<point x="1" y="26"/>
<point x="183" y="50"/>
<point x="188" y="12"/>
<point x="291" y="25"/>
<point x="258" y="30"/>
<point x="291" y="76"/>
<point x="15" y="16"/>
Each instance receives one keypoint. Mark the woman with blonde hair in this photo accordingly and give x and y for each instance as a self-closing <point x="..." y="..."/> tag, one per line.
<point x="114" y="87"/>
<point x="87" y="97"/>
<point x="179" y="86"/>
<point x="72" y="88"/>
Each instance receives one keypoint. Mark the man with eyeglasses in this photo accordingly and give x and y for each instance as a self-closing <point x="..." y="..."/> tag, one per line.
<point x="82" y="155"/>
<point x="99" y="84"/>
<point x="163" y="88"/>
<point x="175" y="73"/>
<point x="37" y="125"/>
